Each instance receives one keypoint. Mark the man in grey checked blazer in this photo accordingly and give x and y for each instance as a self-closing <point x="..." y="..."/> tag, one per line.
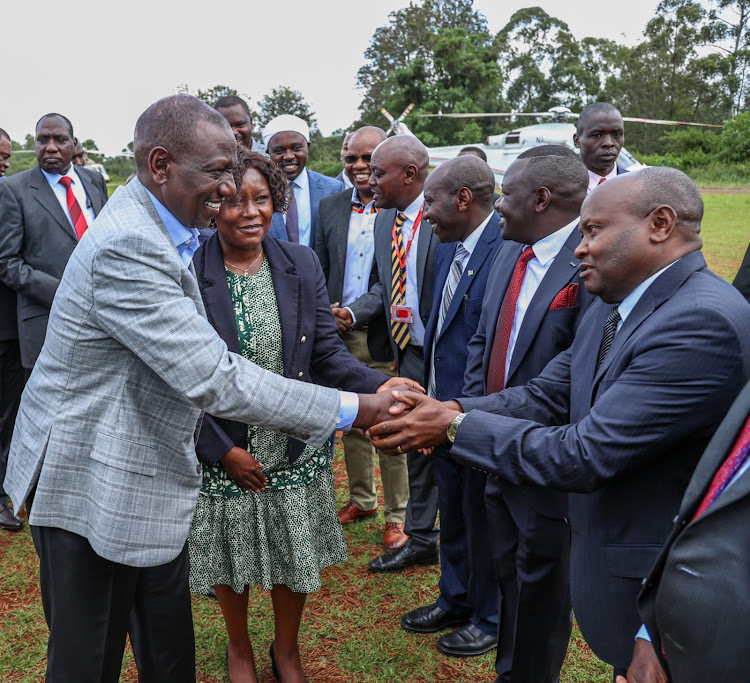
<point x="104" y="443"/>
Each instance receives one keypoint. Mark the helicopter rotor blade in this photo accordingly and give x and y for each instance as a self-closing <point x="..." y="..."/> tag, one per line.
<point x="385" y="113"/>
<point x="661" y="122"/>
<point x="544" y="114"/>
<point x="406" y="112"/>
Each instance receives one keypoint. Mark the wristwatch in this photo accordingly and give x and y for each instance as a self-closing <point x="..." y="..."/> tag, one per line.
<point x="453" y="426"/>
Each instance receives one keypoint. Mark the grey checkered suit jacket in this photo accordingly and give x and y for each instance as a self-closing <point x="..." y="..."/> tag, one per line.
<point x="108" y="422"/>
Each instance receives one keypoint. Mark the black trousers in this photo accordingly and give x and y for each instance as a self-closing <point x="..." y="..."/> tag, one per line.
<point x="12" y="380"/>
<point x="91" y="604"/>
<point x="422" y="509"/>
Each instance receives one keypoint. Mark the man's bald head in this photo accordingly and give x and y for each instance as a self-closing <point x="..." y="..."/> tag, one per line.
<point x="458" y="197"/>
<point x="399" y="168"/>
<point x="370" y="134"/>
<point x="548" y="150"/>
<point x="171" y="123"/>
<point x="564" y="176"/>
<point x="635" y="225"/>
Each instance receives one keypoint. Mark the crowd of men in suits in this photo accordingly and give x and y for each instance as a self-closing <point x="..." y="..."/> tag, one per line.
<point x="578" y="357"/>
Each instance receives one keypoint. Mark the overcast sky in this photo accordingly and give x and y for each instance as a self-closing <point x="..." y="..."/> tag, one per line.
<point x="102" y="64"/>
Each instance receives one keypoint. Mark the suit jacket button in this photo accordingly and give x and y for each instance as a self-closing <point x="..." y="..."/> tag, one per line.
<point x="198" y="468"/>
<point x="303" y="340"/>
<point x="644" y="582"/>
<point x="299" y="374"/>
<point x="676" y="517"/>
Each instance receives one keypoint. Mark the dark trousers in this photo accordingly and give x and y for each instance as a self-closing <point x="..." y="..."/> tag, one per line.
<point x="531" y="552"/>
<point x="422" y="509"/>
<point x="12" y="380"/>
<point x="91" y="604"/>
<point x="468" y="585"/>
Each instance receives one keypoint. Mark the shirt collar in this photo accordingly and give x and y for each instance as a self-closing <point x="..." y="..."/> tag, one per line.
<point x="412" y="211"/>
<point x="302" y="181"/>
<point x="54" y="178"/>
<point x="180" y="235"/>
<point x="629" y="302"/>
<point x="356" y="200"/>
<point x="547" y="248"/>
<point x="595" y="178"/>
<point x="471" y="241"/>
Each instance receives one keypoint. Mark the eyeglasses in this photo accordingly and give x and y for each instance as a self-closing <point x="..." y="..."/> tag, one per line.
<point x="351" y="158"/>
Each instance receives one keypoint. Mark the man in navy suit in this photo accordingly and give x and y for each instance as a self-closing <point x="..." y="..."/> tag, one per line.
<point x="287" y="140"/>
<point x="619" y="419"/>
<point x="458" y="200"/>
<point x="529" y="529"/>
<point x="600" y="135"/>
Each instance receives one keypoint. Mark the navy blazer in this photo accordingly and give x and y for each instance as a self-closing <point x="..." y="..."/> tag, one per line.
<point x="462" y="318"/>
<point x="310" y="337"/>
<point x="320" y="186"/>
<point x="623" y="439"/>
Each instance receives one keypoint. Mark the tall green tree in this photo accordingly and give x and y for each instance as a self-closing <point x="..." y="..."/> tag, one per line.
<point x="729" y="23"/>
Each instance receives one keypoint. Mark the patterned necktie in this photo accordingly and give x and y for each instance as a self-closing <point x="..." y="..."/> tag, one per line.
<point x="601" y="181"/>
<point x="737" y="456"/>
<point x="292" y="226"/>
<point x="399" y="330"/>
<point x="359" y="207"/>
<point x="451" y="282"/>
<point x="76" y="215"/>
<point x="610" y="329"/>
<point x="499" y="354"/>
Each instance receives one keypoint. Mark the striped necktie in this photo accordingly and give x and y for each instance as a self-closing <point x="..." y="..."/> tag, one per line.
<point x="399" y="331"/>
<point x="76" y="215"/>
<point x="451" y="282"/>
<point x="610" y="329"/>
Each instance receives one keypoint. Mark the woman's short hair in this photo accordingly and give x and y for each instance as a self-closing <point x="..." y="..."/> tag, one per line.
<point x="268" y="169"/>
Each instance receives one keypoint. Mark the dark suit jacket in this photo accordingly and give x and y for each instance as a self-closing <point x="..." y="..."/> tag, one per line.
<point x="36" y="242"/>
<point x="543" y="334"/>
<point x="331" y="240"/>
<point x="624" y="440"/>
<point x="462" y="318"/>
<point x="320" y="186"/>
<point x="377" y="301"/>
<point x="742" y="279"/>
<point x="309" y="333"/>
<point x="695" y="599"/>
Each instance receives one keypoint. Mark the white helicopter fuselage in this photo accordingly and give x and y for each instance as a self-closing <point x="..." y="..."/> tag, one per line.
<point x="502" y="150"/>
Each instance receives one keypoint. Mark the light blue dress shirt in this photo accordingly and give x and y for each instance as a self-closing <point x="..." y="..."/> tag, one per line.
<point x="304" y="216"/>
<point x="360" y="250"/>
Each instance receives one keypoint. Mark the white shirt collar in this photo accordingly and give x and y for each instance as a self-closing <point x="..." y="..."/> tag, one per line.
<point x="54" y="178"/>
<point x="412" y="211"/>
<point x="302" y="181"/>
<point x="548" y="247"/>
<point x="471" y="241"/>
<point x="629" y="302"/>
<point x="595" y="178"/>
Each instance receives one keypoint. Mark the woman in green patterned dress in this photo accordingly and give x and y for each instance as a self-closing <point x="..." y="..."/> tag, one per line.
<point x="266" y="514"/>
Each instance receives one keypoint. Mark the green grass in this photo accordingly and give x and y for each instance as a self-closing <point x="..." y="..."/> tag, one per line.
<point x="351" y="629"/>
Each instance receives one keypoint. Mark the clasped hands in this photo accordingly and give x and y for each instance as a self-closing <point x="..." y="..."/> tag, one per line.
<point x="412" y="421"/>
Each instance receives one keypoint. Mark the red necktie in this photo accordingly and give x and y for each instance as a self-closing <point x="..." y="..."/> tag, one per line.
<point x="601" y="181"/>
<point x="728" y="469"/>
<point x="499" y="354"/>
<point x="76" y="215"/>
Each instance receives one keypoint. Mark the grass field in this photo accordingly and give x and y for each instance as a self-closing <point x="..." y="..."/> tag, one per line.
<point x="350" y="631"/>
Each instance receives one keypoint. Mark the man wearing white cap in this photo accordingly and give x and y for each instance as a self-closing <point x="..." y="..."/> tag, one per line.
<point x="287" y="139"/>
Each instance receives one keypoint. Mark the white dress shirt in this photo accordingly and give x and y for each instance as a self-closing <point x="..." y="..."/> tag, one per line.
<point x="79" y="192"/>
<point x="545" y="251"/>
<point x="595" y="179"/>
<point x="304" y="215"/>
<point x="416" y="329"/>
<point x="359" y="252"/>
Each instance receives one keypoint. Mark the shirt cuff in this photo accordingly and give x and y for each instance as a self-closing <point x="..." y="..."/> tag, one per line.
<point x="351" y="313"/>
<point x="643" y="633"/>
<point x="348" y="409"/>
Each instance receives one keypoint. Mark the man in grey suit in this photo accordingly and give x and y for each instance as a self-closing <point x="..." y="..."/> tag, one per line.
<point x="405" y="270"/>
<point x="104" y="446"/>
<point x="344" y="245"/>
<point x="44" y="212"/>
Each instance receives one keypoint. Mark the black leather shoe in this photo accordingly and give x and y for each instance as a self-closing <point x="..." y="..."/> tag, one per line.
<point x="431" y="618"/>
<point x="467" y="641"/>
<point x="404" y="557"/>
<point x="8" y="520"/>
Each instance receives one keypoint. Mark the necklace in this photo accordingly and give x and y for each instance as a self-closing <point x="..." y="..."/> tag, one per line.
<point x="245" y="270"/>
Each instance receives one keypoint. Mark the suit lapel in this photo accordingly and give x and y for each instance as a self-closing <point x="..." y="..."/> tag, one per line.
<point x="288" y="286"/>
<point x="423" y="249"/>
<point x="340" y="232"/>
<point x="315" y="194"/>
<point x="473" y="266"/>
<point x="212" y="279"/>
<point x="45" y="196"/>
<point x="562" y="270"/>
<point x="92" y="191"/>
<point x="382" y="238"/>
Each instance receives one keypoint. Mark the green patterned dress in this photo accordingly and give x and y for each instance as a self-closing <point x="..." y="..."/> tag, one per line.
<point x="290" y="532"/>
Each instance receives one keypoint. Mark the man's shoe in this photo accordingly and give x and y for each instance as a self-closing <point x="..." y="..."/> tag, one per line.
<point x="403" y="558"/>
<point x="351" y="513"/>
<point x="431" y="618"/>
<point x="467" y="641"/>
<point x="394" y="536"/>
<point x="8" y="520"/>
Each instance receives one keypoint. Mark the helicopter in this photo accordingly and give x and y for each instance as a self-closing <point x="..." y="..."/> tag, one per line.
<point x="503" y="149"/>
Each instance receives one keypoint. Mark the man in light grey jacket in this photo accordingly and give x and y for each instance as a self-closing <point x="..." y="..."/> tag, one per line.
<point x="103" y="449"/>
